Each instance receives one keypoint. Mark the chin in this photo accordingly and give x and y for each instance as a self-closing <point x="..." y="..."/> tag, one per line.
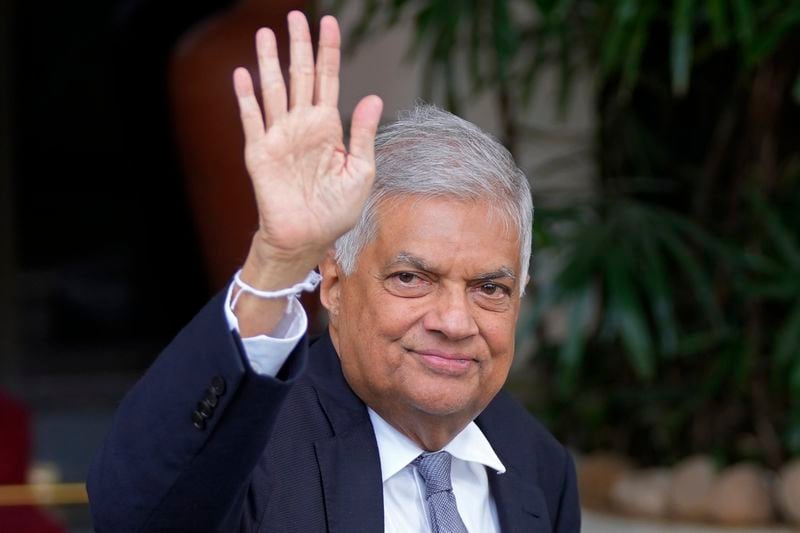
<point x="446" y="405"/>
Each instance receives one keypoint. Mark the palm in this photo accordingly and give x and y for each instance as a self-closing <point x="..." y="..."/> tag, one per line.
<point x="309" y="189"/>
<point x="306" y="187"/>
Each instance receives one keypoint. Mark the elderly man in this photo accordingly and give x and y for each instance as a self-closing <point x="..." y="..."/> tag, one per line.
<point x="394" y="419"/>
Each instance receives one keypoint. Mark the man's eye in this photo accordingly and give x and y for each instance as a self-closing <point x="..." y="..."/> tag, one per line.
<point x="406" y="277"/>
<point x="494" y="290"/>
<point x="407" y="285"/>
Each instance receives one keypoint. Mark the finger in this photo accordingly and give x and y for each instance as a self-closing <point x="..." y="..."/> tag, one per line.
<point x="326" y="83"/>
<point x="366" y="116"/>
<point x="301" y="67"/>
<point x="273" y="88"/>
<point x="249" y="110"/>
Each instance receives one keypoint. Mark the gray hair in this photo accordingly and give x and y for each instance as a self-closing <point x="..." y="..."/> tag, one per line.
<point x="432" y="153"/>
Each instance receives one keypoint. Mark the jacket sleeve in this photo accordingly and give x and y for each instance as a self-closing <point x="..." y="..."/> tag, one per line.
<point x="568" y="519"/>
<point x="185" y="439"/>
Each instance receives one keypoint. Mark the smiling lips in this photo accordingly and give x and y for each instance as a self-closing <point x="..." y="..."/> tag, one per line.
<point x="452" y="364"/>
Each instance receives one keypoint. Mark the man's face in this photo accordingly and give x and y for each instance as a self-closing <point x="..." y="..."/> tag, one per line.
<point x="425" y="325"/>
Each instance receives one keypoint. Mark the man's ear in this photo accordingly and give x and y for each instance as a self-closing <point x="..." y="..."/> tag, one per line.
<point x="331" y="285"/>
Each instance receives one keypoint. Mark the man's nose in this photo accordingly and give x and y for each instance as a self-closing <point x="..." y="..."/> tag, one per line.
<point x="451" y="315"/>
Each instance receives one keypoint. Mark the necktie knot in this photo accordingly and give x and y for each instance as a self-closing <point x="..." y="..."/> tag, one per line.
<point x="435" y="470"/>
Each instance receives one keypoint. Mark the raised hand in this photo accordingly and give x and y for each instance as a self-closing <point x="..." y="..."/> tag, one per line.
<point x="309" y="188"/>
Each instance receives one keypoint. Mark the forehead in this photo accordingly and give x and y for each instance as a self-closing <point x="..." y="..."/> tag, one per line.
<point x="446" y="231"/>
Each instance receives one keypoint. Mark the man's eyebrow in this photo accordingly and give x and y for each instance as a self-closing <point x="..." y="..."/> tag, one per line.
<point x="502" y="272"/>
<point x="405" y="258"/>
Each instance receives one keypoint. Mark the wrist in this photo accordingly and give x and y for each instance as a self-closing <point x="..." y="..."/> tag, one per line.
<point x="269" y="268"/>
<point x="309" y="284"/>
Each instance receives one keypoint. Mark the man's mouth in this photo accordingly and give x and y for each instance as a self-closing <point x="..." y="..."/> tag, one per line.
<point x="443" y="362"/>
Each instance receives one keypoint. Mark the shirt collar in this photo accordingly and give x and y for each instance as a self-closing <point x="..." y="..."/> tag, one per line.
<point x="397" y="451"/>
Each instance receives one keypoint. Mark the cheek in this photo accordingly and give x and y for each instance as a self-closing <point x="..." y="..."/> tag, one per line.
<point x="499" y="335"/>
<point x="394" y="317"/>
<point x="377" y="322"/>
<point x="499" y="338"/>
<point x="404" y="323"/>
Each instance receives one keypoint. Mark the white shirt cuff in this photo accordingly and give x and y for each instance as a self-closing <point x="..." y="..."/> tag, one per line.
<point x="268" y="353"/>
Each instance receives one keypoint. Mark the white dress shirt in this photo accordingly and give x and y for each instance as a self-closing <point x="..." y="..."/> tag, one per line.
<point x="404" y="506"/>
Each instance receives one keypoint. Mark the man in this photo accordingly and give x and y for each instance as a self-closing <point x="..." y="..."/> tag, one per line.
<point x="392" y="421"/>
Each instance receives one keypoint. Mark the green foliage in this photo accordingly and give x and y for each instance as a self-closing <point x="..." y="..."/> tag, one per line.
<point x="681" y="299"/>
<point x="505" y="42"/>
<point x="629" y="259"/>
<point x="690" y="325"/>
<point x="776" y="281"/>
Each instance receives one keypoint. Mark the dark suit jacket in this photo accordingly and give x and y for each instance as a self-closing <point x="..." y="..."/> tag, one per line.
<point x="295" y="453"/>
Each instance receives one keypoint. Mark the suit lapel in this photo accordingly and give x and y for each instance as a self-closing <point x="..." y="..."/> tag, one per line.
<point x="520" y="504"/>
<point x="351" y="481"/>
<point x="519" y="500"/>
<point x="348" y="461"/>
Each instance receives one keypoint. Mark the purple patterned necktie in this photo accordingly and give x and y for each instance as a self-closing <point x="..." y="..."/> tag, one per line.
<point x="435" y="470"/>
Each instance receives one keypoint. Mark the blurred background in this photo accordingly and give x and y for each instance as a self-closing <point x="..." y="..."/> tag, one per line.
<point x="661" y="336"/>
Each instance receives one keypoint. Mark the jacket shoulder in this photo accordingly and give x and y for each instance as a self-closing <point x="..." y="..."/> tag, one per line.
<point x="509" y="420"/>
